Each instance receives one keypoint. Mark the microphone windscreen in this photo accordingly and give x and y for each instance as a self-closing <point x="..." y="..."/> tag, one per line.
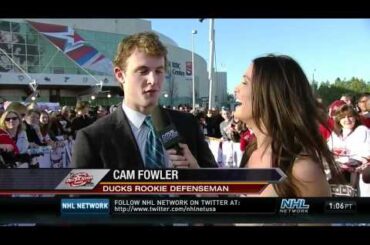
<point x="165" y="129"/>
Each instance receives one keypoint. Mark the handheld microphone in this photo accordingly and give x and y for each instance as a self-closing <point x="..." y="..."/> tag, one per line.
<point x="166" y="130"/>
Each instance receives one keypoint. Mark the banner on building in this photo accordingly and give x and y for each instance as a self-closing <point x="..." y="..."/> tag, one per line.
<point x="74" y="46"/>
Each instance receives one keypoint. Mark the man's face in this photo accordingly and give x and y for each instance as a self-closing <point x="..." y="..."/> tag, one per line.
<point x="362" y="103"/>
<point x="142" y="81"/>
<point x="101" y="112"/>
<point x="225" y="115"/>
<point x="33" y="118"/>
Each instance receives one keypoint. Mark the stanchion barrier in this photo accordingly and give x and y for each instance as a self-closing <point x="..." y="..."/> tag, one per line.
<point x="57" y="157"/>
<point x="215" y="147"/>
<point x="226" y="153"/>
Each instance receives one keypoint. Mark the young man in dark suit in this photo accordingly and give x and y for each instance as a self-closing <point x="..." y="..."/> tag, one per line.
<point x="120" y="140"/>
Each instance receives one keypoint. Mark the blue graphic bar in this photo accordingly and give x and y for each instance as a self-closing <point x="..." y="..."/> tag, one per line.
<point x="84" y="206"/>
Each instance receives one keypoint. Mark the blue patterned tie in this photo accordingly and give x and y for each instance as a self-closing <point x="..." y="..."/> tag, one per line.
<point x="154" y="155"/>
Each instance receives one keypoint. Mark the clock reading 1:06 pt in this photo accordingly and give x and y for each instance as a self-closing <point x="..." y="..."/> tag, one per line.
<point x="340" y="206"/>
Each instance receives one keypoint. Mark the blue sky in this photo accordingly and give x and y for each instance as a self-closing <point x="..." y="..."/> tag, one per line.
<point x="325" y="48"/>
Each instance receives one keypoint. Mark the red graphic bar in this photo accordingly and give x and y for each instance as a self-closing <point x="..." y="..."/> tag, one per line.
<point x="154" y="188"/>
<point x="179" y="188"/>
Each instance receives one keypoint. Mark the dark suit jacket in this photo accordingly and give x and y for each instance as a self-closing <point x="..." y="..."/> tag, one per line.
<point x="110" y="143"/>
<point x="80" y="122"/>
<point x="366" y="175"/>
<point x="32" y="135"/>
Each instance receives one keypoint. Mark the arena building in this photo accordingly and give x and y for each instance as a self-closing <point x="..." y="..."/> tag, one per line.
<point x="70" y="59"/>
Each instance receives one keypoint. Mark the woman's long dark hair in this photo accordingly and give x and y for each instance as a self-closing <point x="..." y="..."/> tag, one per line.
<point x="283" y="101"/>
<point x="45" y="128"/>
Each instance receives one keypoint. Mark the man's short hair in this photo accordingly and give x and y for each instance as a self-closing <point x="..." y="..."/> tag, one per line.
<point x="30" y="111"/>
<point x="147" y="42"/>
<point x="225" y="108"/>
<point x="80" y="105"/>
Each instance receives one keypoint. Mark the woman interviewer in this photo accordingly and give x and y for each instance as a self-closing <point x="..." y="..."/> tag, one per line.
<point x="275" y="100"/>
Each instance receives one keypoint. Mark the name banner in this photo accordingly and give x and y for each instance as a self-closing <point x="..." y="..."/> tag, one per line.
<point x="139" y="181"/>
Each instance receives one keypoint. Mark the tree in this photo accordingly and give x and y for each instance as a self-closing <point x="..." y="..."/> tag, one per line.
<point x="357" y="85"/>
<point x="330" y="92"/>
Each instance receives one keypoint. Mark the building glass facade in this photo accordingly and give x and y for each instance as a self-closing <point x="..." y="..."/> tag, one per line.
<point x="35" y="54"/>
<point x="62" y="79"/>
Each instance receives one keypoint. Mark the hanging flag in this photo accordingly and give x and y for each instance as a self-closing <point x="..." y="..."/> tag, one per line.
<point x="74" y="46"/>
<point x="189" y="67"/>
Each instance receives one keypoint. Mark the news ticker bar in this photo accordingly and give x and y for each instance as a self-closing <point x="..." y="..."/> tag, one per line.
<point x="136" y="205"/>
<point x="139" y="181"/>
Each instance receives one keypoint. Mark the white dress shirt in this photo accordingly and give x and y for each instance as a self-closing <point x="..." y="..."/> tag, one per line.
<point x="140" y="130"/>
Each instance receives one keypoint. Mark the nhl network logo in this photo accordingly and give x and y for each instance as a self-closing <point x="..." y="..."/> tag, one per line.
<point x="294" y="206"/>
